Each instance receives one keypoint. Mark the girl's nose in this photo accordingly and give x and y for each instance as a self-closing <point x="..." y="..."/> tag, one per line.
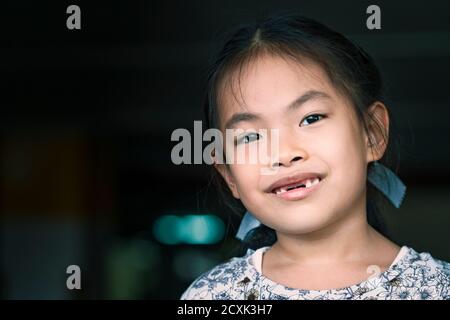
<point x="288" y="150"/>
<point x="286" y="163"/>
<point x="288" y="155"/>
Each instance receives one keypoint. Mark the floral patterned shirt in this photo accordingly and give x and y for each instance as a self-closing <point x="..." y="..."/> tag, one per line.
<point x="412" y="275"/>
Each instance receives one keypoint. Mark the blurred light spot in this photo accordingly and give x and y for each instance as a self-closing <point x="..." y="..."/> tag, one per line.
<point x="190" y="229"/>
<point x="198" y="263"/>
<point x="166" y="229"/>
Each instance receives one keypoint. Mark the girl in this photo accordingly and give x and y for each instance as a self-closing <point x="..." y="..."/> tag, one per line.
<point x="313" y="231"/>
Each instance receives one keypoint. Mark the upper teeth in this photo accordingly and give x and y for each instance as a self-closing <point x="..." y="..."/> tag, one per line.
<point x="308" y="183"/>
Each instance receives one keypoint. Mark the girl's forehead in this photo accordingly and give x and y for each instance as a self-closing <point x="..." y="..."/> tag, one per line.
<point x="270" y="81"/>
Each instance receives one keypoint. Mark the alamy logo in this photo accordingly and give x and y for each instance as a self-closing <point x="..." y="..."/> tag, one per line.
<point x="250" y="146"/>
<point x="74" y="280"/>
<point x="374" y="20"/>
<point x="74" y="20"/>
<point x="373" y="270"/>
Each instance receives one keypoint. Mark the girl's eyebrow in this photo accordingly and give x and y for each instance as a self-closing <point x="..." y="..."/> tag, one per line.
<point x="297" y="103"/>
<point x="241" y="117"/>
<point x="305" y="97"/>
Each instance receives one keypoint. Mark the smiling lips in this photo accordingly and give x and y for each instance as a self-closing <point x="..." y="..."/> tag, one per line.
<point x="296" y="187"/>
<point x="303" y="184"/>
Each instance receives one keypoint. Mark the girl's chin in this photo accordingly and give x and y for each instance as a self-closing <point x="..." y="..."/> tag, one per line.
<point x="302" y="223"/>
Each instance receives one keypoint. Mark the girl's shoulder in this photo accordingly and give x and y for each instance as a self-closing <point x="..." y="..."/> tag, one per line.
<point x="425" y="265"/>
<point x="221" y="282"/>
<point x="428" y="276"/>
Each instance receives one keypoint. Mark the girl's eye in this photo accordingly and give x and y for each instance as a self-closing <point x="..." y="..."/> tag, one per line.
<point x="311" y="119"/>
<point x="248" y="138"/>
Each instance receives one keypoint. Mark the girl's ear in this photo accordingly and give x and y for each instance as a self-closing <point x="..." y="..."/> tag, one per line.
<point x="377" y="120"/>
<point x="228" y="177"/>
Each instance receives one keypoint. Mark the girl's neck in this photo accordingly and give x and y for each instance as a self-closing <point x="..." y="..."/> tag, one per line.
<point x="349" y="239"/>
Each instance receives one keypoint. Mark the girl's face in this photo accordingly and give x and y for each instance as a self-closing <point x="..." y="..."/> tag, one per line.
<point x="320" y="134"/>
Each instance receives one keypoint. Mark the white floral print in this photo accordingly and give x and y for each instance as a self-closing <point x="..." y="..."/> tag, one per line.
<point x="413" y="276"/>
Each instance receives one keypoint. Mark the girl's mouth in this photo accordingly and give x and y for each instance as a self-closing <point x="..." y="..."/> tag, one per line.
<point x="297" y="190"/>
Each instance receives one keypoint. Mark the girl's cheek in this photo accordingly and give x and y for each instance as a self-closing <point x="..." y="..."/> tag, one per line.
<point x="342" y="151"/>
<point x="246" y="180"/>
<point x="249" y="155"/>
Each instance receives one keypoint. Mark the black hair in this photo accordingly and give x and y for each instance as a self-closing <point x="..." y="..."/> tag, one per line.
<point x="349" y="68"/>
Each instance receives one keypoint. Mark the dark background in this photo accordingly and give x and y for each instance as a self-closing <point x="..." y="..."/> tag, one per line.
<point x="86" y="120"/>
